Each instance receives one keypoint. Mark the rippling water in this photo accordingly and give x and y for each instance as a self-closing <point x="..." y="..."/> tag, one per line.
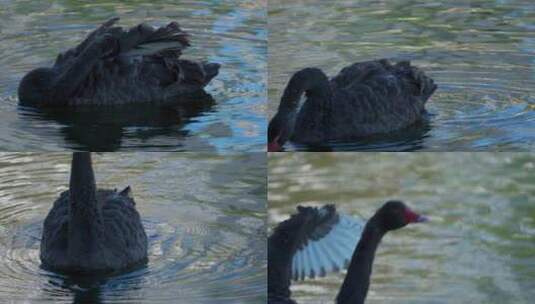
<point x="229" y="32"/>
<point x="204" y="216"/>
<point x="479" y="246"/>
<point x="480" y="53"/>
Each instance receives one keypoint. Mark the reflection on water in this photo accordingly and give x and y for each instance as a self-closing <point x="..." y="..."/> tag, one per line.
<point x="479" y="246"/>
<point x="204" y="217"/>
<point x="480" y="53"/>
<point x="108" y="129"/>
<point x="229" y="32"/>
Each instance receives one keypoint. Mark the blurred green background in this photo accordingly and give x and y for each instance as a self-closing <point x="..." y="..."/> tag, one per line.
<point x="479" y="246"/>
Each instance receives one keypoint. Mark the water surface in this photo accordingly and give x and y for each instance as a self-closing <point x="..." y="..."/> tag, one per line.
<point x="480" y="53"/>
<point x="230" y="32"/>
<point x="479" y="246"/>
<point x="204" y="216"/>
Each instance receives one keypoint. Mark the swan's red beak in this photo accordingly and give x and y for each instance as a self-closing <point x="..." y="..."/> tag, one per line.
<point x="413" y="217"/>
<point x="274" y="145"/>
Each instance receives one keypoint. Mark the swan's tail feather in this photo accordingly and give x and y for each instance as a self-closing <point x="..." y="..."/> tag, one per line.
<point x="170" y="32"/>
<point x="423" y="85"/>
<point x="211" y="70"/>
<point x="193" y="73"/>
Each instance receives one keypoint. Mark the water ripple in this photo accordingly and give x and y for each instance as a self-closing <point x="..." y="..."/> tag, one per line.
<point x="228" y="32"/>
<point x="204" y="247"/>
<point x="480" y="55"/>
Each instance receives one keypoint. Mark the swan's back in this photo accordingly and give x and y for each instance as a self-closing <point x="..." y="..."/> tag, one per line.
<point x="125" y="236"/>
<point x="121" y="243"/>
<point x="149" y="79"/>
<point x="146" y="65"/>
<point x="367" y="98"/>
<point x="114" y="66"/>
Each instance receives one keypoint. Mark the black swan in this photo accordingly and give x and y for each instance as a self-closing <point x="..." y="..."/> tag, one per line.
<point x="364" y="99"/>
<point x="116" y="66"/>
<point x="319" y="240"/>
<point x="90" y="231"/>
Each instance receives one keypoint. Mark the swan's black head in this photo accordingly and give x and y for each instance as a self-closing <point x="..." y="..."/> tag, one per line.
<point x="279" y="130"/>
<point x="34" y="88"/>
<point x="395" y="215"/>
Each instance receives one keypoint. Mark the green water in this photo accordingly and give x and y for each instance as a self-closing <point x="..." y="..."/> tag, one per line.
<point x="479" y="246"/>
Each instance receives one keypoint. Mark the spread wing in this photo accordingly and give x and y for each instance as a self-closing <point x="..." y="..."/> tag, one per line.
<point x="328" y="245"/>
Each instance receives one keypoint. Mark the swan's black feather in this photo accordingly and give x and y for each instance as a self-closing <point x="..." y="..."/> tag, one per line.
<point x="122" y="244"/>
<point x="364" y="99"/>
<point x="107" y="235"/>
<point x="315" y="225"/>
<point x="309" y="224"/>
<point x="120" y="66"/>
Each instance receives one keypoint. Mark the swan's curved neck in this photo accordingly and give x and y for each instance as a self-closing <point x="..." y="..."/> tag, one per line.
<point x="82" y="187"/>
<point x="84" y="214"/>
<point x="312" y="81"/>
<point x="282" y="245"/>
<point x="316" y="85"/>
<point x="357" y="281"/>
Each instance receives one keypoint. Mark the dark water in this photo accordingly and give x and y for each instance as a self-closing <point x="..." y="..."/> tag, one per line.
<point x="479" y="246"/>
<point x="229" y="32"/>
<point x="204" y="215"/>
<point x="480" y="53"/>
